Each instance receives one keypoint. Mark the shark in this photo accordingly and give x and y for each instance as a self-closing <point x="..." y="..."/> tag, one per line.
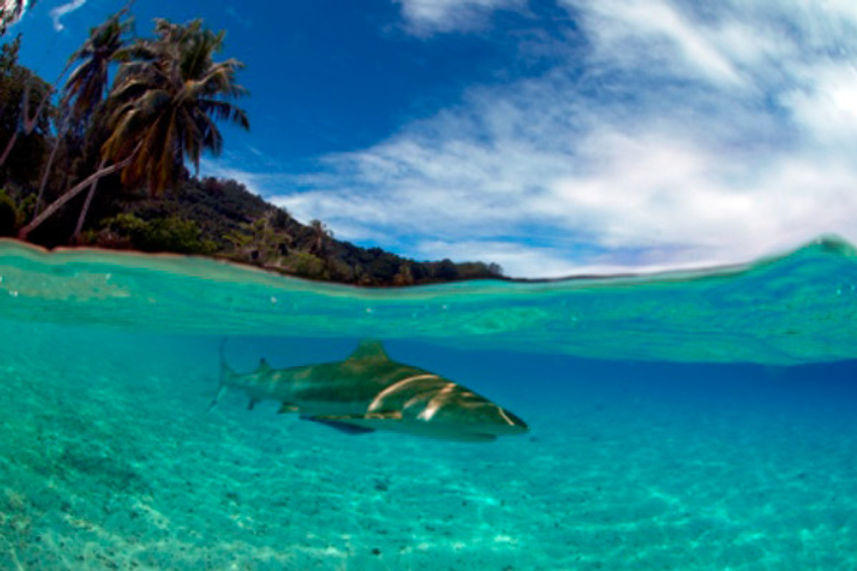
<point x="370" y="392"/>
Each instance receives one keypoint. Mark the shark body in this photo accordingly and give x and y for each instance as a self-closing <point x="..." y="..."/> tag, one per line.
<point x="369" y="391"/>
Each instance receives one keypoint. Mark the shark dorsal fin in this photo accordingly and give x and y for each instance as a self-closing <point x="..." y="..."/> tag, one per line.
<point x="369" y="350"/>
<point x="263" y="365"/>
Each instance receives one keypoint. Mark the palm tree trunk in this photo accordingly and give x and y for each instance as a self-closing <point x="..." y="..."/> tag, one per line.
<point x="72" y="192"/>
<point x="31" y="122"/>
<point x="27" y="123"/>
<point x="8" y="148"/>
<point x="76" y="236"/>
<point x="45" y="175"/>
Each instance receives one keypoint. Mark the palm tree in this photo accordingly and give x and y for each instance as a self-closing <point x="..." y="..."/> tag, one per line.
<point x="321" y="236"/>
<point x="169" y="102"/>
<point x="87" y="83"/>
<point x="162" y="109"/>
<point x="10" y="12"/>
<point x="34" y="92"/>
<point x="86" y="87"/>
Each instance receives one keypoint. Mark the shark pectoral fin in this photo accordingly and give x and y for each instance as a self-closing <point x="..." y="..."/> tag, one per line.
<point x="287" y="407"/>
<point x="339" y="424"/>
<point x="357" y="423"/>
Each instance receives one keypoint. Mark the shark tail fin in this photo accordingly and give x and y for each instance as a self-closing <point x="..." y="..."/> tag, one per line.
<point x="226" y="374"/>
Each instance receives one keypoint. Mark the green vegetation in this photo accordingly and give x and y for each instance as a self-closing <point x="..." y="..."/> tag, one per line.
<point x="105" y="164"/>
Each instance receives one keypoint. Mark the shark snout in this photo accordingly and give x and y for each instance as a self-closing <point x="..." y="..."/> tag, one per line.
<point x="482" y="417"/>
<point x="508" y="422"/>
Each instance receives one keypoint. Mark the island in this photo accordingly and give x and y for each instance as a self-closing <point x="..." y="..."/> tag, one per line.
<point x="108" y="157"/>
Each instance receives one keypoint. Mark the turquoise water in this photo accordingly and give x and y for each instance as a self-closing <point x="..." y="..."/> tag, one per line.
<point x="699" y="420"/>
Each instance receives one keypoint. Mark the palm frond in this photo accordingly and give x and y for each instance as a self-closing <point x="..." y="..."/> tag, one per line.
<point x="168" y="96"/>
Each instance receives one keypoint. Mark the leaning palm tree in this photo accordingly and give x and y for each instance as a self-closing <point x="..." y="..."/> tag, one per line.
<point x="169" y="102"/>
<point x="162" y="110"/>
<point x="86" y="87"/>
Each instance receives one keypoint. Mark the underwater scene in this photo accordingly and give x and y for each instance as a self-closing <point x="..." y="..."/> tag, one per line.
<point x="686" y="420"/>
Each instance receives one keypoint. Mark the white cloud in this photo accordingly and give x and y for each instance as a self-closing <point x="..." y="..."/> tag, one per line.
<point x="634" y="33"/>
<point x="529" y="261"/>
<point x="60" y="11"/>
<point x="688" y="135"/>
<point x="256" y="183"/>
<point x="651" y="193"/>
<point x="826" y="107"/>
<point x="427" y="17"/>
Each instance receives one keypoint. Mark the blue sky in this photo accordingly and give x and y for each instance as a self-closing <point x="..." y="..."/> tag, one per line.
<point x="551" y="137"/>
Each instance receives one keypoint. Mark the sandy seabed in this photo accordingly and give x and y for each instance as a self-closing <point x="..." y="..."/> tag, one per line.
<point x="107" y="462"/>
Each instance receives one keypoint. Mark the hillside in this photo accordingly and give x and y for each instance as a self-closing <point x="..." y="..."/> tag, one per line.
<point x="221" y="218"/>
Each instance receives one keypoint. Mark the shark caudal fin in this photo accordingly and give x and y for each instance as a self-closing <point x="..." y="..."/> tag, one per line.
<point x="226" y="373"/>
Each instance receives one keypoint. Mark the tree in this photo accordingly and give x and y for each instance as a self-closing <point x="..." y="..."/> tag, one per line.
<point x="169" y="100"/>
<point x="87" y="83"/>
<point x="86" y="88"/>
<point x="162" y="108"/>
<point x="21" y="85"/>
<point x="321" y="235"/>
